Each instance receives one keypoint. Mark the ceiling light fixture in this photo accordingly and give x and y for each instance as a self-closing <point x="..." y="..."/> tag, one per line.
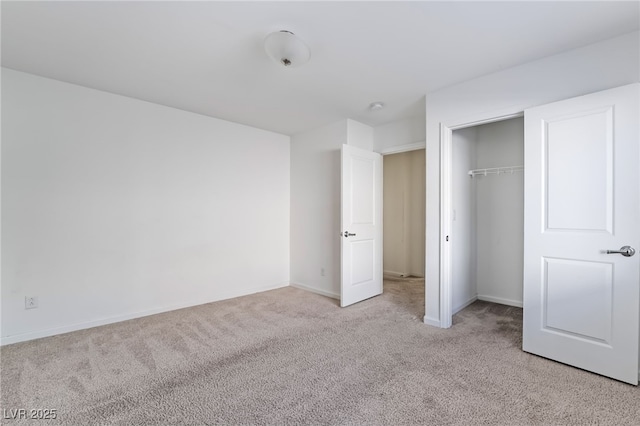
<point x="286" y="48"/>
<point x="375" y="106"/>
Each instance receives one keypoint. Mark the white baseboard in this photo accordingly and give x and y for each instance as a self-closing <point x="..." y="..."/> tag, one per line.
<point x="501" y="301"/>
<point x="465" y="304"/>
<point x="315" y="290"/>
<point x="432" y="322"/>
<point x="23" y="337"/>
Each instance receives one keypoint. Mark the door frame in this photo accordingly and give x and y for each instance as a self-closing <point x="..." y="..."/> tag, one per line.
<point x="446" y="200"/>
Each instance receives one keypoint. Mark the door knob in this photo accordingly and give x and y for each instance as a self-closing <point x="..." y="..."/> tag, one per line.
<point x="626" y="251"/>
<point x="348" y="234"/>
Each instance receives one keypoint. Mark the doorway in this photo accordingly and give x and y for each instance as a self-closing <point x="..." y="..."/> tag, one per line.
<point x="404" y="228"/>
<point x="404" y="214"/>
<point x="487" y="214"/>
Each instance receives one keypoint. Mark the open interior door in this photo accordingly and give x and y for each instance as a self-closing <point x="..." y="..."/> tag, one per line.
<point x="582" y="198"/>
<point x="361" y="231"/>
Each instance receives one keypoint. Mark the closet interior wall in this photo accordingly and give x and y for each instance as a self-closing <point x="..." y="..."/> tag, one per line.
<point x="487" y="233"/>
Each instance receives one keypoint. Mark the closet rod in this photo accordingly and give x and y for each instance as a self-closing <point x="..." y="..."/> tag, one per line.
<point x="495" y="171"/>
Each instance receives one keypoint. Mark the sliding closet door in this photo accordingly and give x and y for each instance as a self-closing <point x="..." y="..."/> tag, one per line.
<point x="582" y="189"/>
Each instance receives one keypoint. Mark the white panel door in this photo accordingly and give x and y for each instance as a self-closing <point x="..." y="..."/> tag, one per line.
<point x="361" y="233"/>
<point x="582" y="198"/>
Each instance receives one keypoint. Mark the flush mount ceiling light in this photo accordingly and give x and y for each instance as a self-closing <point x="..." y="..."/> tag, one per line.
<point x="286" y="48"/>
<point x="375" y="106"/>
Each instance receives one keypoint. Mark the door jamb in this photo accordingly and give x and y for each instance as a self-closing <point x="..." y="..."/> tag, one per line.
<point x="403" y="148"/>
<point x="446" y="188"/>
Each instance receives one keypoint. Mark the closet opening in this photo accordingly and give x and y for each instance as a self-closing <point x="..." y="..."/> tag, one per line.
<point x="486" y="208"/>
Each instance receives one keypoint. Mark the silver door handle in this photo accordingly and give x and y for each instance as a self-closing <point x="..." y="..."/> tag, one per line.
<point x="348" y="234"/>
<point x="626" y="251"/>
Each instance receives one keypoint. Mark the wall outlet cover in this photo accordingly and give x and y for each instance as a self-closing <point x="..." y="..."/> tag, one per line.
<point x="30" y="302"/>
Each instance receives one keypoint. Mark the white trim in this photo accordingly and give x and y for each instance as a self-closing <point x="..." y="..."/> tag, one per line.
<point x="432" y="322"/>
<point x="446" y="147"/>
<point x="509" y="302"/>
<point x="315" y="290"/>
<point x="23" y="337"/>
<point x="403" y="148"/>
<point x="465" y="304"/>
<point x="492" y="119"/>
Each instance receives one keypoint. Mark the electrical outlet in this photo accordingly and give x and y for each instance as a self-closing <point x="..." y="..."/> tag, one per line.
<point x="30" y="302"/>
<point x="322" y="272"/>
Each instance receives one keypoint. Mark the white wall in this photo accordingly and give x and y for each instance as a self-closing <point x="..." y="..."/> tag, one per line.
<point x="315" y="203"/>
<point x="115" y="208"/>
<point x="463" y="232"/>
<point x="315" y="208"/>
<point x="407" y="133"/>
<point x="359" y="135"/>
<point x="404" y="194"/>
<point x="603" y="65"/>
<point x="500" y="213"/>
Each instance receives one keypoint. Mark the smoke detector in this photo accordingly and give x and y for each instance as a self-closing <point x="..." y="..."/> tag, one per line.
<point x="376" y="106"/>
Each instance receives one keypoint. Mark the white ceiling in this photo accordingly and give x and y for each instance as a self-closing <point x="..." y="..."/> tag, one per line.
<point x="207" y="57"/>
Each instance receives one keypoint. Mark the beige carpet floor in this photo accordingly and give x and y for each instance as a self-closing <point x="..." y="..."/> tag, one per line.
<point x="288" y="357"/>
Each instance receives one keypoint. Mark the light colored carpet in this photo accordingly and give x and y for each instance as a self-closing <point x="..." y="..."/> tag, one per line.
<point x="292" y="357"/>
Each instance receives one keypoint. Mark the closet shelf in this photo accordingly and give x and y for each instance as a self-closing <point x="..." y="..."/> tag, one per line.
<point x="496" y="171"/>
